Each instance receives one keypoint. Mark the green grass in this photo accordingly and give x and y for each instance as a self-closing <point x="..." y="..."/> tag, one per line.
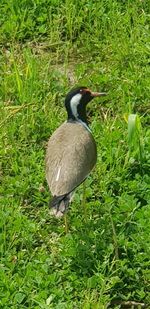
<point x="48" y="47"/>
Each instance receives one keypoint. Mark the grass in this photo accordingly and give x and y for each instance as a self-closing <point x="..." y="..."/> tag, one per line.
<point x="48" y="47"/>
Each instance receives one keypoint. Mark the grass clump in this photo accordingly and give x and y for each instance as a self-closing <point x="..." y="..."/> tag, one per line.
<point x="48" y="47"/>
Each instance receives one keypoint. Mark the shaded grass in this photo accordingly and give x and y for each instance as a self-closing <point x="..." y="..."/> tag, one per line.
<point x="108" y="257"/>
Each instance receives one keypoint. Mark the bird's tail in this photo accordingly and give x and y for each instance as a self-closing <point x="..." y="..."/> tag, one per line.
<point x="59" y="205"/>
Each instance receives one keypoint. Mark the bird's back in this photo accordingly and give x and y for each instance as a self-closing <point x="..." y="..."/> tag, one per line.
<point x="71" y="155"/>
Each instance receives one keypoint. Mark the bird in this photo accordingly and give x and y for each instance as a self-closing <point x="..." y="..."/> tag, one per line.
<point x="71" y="151"/>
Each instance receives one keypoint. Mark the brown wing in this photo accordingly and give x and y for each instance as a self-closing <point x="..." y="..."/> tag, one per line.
<point x="71" y="155"/>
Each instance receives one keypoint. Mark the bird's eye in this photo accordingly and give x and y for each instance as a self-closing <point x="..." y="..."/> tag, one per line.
<point x="84" y="91"/>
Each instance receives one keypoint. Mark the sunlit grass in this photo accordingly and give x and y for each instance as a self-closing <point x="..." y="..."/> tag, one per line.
<point x="47" y="49"/>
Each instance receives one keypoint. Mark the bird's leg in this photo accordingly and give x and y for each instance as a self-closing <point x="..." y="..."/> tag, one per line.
<point x="84" y="201"/>
<point x="66" y="223"/>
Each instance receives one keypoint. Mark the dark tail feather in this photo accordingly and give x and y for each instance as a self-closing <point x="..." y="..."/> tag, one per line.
<point x="59" y="205"/>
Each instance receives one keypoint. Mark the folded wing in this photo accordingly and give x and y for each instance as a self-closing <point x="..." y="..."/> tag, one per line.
<point x="71" y="155"/>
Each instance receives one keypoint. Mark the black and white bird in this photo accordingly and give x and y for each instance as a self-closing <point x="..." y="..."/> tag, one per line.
<point x="71" y="152"/>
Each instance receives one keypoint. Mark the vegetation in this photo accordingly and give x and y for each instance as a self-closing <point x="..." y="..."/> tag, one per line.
<point x="48" y="47"/>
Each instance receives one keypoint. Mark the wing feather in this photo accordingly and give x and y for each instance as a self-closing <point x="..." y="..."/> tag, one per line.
<point x="71" y="155"/>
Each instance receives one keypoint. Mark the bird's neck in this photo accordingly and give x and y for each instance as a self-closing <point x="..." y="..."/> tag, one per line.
<point x="78" y="114"/>
<point x="77" y="119"/>
<point x="82" y="119"/>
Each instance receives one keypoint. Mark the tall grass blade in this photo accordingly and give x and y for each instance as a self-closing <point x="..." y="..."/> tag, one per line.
<point x="135" y="139"/>
<point x="132" y="119"/>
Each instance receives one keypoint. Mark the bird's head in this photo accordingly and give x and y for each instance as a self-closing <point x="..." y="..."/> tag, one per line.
<point x="76" y="101"/>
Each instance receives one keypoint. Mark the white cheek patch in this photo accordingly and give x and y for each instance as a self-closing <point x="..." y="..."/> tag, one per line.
<point x="74" y="104"/>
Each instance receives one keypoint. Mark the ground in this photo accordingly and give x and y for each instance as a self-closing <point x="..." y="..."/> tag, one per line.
<point x="47" y="48"/>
